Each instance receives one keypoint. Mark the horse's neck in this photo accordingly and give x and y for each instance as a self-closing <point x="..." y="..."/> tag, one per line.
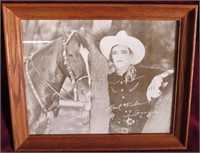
<point x="44" y="62"/>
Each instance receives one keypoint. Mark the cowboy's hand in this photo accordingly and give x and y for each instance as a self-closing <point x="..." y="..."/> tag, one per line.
<point x="153" y="90"/>
<point x="111" y="114"/>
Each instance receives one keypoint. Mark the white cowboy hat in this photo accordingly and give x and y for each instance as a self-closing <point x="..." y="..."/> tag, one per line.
<point x="122" y="38"/>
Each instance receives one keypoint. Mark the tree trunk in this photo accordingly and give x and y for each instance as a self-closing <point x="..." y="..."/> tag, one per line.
<point x="99" y="122"/>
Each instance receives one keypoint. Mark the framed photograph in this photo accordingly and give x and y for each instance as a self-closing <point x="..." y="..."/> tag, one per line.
<point x="100" y="77"/>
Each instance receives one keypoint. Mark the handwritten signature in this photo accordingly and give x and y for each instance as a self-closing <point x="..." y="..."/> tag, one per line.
<point x="127" y="105"/>
<point x="130" y="112"/>
<point x="138" y="112"/>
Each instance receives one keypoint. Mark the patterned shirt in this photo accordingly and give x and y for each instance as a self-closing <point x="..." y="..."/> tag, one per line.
<point x="128" y="101"/>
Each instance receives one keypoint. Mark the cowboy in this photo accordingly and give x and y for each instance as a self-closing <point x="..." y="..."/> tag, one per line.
<point x="131" y="89"/>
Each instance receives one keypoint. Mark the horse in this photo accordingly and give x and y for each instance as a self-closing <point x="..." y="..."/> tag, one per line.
<point x="45" y="72"/>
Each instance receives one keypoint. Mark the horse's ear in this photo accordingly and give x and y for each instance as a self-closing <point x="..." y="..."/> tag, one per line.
<point x="65" y="31"/>
<point x="82" y="37"/>
<point x="82" y="31"/>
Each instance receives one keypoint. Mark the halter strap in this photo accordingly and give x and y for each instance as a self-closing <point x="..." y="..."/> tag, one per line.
<point x="68" y="39"/>
<point x="66" y="63"/>
<point x="34" y="91"/>
<point x="46" y="82"/>
<point x="79" y="79"/>
<point x="74" y="82"/>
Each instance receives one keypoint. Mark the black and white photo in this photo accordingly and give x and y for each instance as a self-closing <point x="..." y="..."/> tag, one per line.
<point x="99" y="76"/>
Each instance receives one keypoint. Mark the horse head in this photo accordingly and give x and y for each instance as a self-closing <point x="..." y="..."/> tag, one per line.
<point x="74" y="65"/>
<point x="46" y="71"/>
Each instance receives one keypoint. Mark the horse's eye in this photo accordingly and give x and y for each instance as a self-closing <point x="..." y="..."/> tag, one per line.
<point x="70" y="55"/>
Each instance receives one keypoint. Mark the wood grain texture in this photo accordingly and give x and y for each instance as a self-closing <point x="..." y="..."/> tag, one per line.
<point x="187" y="17"/>
<point x="16" y="81"/>
<point x="100" y="143"/>
<point x="185" y="66"/>
<point x="99" y="11"/>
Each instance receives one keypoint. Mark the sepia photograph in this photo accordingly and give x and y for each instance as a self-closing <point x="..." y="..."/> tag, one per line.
<point x="99" y="76"/>
<point x="105" y="76"/>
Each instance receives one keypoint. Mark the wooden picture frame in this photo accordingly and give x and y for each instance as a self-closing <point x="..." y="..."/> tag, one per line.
<point x="186" y="15"/>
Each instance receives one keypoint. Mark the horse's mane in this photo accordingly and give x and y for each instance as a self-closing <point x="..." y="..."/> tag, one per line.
<point x="46" y="46"/>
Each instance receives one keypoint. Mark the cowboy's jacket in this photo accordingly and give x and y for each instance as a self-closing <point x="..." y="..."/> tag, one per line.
<point x="128" y="101"/>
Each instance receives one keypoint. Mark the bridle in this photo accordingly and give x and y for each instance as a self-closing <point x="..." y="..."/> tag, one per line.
<point x="66" y="63"/>
<point x="74" y="81"/>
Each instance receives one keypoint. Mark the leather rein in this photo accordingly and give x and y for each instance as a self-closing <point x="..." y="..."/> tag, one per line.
<point x="71" y="75"/>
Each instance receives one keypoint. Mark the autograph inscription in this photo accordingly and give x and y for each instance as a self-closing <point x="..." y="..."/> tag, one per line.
<point x="128" y="104"/>
<point x="130" y="112"/>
